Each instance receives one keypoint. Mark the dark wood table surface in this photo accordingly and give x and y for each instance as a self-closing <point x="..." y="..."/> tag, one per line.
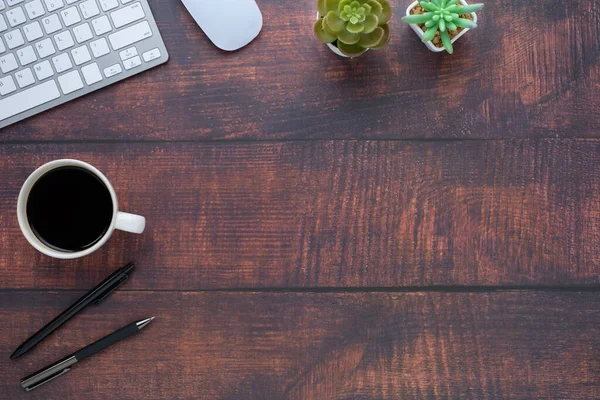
<point x="406" y="225"/>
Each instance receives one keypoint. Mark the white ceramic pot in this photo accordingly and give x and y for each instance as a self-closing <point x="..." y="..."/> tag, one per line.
<point x="430" y="44"/>
<point x="334" y="48"/>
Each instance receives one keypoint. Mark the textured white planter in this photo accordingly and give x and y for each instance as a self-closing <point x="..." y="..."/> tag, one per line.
<point x="334" y="48"/>
<point x="430" y="44"/>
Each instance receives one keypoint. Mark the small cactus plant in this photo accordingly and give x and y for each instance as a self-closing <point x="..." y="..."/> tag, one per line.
<point x="354" y="26"/>
<point x="443" y="16"/>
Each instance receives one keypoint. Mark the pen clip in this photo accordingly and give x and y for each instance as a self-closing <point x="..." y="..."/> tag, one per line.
<point x="50" y="378"/>
<point x="47" y="374"/>
<point x="111" y="289"/>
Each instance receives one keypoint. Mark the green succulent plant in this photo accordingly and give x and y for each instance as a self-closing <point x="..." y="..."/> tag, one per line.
<point x="354" y="25"/>
<point x="443" y="16"/>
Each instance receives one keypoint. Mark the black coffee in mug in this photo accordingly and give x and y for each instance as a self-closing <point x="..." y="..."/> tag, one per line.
<point x="69" y="209"/>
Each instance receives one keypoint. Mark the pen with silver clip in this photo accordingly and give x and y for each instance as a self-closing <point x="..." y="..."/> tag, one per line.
<point x="64" y="365"/>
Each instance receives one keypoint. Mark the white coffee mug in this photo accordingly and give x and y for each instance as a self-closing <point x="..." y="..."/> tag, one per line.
<point x="120" y="220"/>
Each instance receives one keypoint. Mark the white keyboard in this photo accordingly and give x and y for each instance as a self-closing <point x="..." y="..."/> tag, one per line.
<point x="53" y="51"/>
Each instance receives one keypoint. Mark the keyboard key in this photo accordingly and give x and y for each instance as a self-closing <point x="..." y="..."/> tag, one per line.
<point x="127" y="15"/>
<point x="108" y="5"/>
<point x="13" y="2"/>
<point x="3" y="25"/>
<point x="62" y="62"/>
<point x="2" y="5"/>
<point x="130" y="35"/>
<point x="89" y="9"/>
<point x="28" y="99"/>
<point x="99" y="48"/>
<point x="26" y="55"/>
<point x="25" y="78"/>
<point x="151" y="55"/>
<point x="132" y="62"/>
<point x="128" y="53"/>
<point x="64" y="40"/>
<point x="101" y="25"/>
<point x="45" y="48"/>
<point x="14" y="39"/>
<point x="8" y="63"/>
<point x="82" y="33"/>
<point x="51" y="24"/>
<point x="33" y="31"/>
<point x="70" y="82"/>
<point x="91" y="74"/>
<point x="7" y="85"/>
<point x="53" y="5"/>
<point x="2" y="48"/>
<point x="81" y="55"/>
<point x="35" y="9"/>
<point x="70" y="16"/>
<point x="113" y="70"/>
<point x="43" y="70"/>
<point x="16" y="16"/>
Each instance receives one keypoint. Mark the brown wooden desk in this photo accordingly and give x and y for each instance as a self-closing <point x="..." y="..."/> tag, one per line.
<point x="401" y="226"/>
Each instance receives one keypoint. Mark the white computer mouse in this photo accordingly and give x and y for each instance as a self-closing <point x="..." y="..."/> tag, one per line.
<point x="229" y="24"/>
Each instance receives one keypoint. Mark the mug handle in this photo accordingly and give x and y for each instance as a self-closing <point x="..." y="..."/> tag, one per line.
<point x="130" y="222"/>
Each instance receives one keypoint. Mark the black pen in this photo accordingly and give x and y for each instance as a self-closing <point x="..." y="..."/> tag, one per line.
<point x="96" y="295"/>
<point x="64" y="365"/>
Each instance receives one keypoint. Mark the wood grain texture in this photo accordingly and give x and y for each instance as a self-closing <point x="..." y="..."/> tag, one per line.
<point x="531" y="70"/>
<point x="329" y="214"/>
<point x="315" y="346"/>
<point x="320" y="216"/>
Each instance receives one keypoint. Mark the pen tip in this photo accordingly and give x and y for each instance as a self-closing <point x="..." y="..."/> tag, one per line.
<point x="142" y="324"/>
<point x="17" y="353"/>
